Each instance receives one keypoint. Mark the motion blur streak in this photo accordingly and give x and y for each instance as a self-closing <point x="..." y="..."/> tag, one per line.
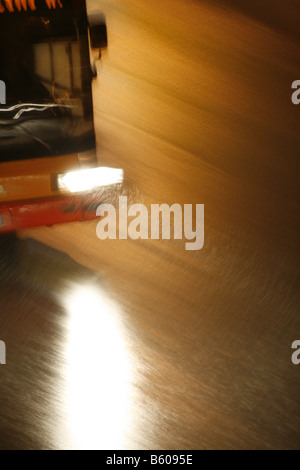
<point x="193" y="102"/>
<point x="98" y="370"/>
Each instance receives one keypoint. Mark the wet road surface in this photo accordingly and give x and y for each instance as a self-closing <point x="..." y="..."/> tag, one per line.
<point x="141" y="344"/>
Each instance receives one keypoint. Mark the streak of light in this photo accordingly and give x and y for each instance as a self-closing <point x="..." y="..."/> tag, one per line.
<point x="98" y="398"/>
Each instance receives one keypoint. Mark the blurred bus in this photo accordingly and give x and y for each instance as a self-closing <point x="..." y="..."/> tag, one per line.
<point x="48" y="167"/>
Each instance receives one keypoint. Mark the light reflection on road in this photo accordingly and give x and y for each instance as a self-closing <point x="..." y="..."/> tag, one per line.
<point x="98" y="370"/>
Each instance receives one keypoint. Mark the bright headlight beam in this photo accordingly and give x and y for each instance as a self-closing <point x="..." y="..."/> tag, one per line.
<point x="89" y="179"/>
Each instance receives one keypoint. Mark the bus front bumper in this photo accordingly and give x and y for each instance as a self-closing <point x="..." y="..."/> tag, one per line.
<point x="49" y="211"/>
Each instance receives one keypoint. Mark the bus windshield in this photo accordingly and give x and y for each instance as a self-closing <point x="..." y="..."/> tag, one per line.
<point x="45" y="66"/>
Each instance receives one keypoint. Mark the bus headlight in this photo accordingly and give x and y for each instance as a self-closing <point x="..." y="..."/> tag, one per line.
<point x="89" y="179"/>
